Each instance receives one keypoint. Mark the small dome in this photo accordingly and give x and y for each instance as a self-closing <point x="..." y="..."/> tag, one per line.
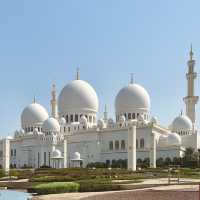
<point x="33" y="114"/>
<point x="9" y="137"/>
<point x="181" y="123"/>
<point x="132" y="98"/>
<point x="77" y="156"/>
<point x="51" y="125"/>
<point x="154" y="120"/>
<point x="78" y="97"/>
<point x="163" y="141"/>
<point x="174" y="139"/>
<point x="56" y="154"/>
<point x="110" y="121"/>
<point x="100" y="123"/>
<point x="62" y="121"/>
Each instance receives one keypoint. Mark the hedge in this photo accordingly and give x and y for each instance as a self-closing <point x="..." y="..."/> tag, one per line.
<point x="54" y="188"/>
<point x="97" y="185"/>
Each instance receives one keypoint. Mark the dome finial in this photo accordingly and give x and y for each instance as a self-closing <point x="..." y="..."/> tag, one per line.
<point x="181" y="112"/>
<point x="77" y="73"/>
<point x="131" y="81"/>
<point x="34" y="99"/>
<point x="191" y="52"/>
<point x="53" y="87"/>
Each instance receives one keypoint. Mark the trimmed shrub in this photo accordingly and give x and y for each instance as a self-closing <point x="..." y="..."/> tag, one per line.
<point x="54" y="188"/>
<point x="97" y="186"/>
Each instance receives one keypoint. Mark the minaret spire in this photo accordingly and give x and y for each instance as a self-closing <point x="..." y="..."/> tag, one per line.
<point x="191" y="52"/>
<point x="77" y="74"/>
<point x="191" y="100"/>
<point x="54" y="107"/>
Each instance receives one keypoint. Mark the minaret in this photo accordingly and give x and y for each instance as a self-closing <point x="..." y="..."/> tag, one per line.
<point x="54" y="107"/>
<point x="191" y="100"/>
<point x="105" y="114"/>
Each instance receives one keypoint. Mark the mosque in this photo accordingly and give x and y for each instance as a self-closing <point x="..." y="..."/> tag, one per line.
<point x="72" y="135"/>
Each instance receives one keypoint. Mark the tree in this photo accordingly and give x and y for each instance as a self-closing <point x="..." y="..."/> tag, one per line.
<point x="160" y="162"/>
<point x="176" y="161"/>
<point x="146" y="162"/>
<point x="168" y="161"/>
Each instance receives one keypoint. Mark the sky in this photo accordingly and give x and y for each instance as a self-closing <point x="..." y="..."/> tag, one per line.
<point x="43" y="42"/>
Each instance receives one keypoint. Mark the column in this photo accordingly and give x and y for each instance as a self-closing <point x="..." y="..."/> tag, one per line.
<point x="6" y="155"/>
<point x="153" y="150"/>
<point x="65" y="153"/>
<point x="132" y="147"/>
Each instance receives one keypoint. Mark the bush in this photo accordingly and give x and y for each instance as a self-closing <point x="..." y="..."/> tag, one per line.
<point x="97" y="186"/>
<point x="54" y="188"/>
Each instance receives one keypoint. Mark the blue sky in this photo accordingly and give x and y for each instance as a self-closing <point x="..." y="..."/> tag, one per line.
<point x="42" y="42"/>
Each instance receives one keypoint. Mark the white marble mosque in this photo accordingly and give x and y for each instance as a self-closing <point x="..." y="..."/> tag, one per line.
<point x="72" y="134"/>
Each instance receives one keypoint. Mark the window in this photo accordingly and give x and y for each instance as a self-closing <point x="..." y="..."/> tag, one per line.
<point x="90" y="119"/>
<point x="133" y="115"/>
<point x="31" y="129"/>
<point x="68" y="129"/>
<point x="129" y="115"/>
<point x="11" y="152"/>
<point x="38" y="159"/>
<point x="67" y="119"/>
<point x="76" y="118"/>
<point x="111" y="145"/>
<point x="142" y="143"/>
<point x="117" y="145"/>
<point x="123" y="145"/>
<point x="15" y="152"/>
<point x="64" y="129"/>
<point x="71" y="118"/>
<point x="136" y="143"/>
<point x="125" y="115"/>
<point x="138" y="115"/>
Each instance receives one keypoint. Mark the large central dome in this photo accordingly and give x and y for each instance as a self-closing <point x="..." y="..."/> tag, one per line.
<point x="132" y="98"/>
<point x="78" y="97"/>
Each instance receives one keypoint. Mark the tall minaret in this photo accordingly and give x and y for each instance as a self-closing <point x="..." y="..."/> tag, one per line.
<point x="191" y="100"/>
<point x="105" y="114"/>
<point x="54" y="107"/>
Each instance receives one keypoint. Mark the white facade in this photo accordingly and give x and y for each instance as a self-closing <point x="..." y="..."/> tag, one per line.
<point x="72" y="136"/>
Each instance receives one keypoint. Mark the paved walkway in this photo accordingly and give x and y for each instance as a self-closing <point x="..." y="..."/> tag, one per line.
<point x="169" y="192"/>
